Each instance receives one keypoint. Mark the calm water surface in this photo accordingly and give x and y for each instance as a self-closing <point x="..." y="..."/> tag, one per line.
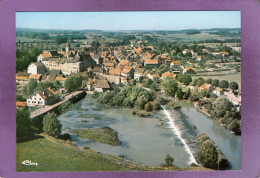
<point x="144" y="140"/>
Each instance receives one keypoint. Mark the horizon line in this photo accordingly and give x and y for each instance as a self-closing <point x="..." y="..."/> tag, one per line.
<point x="133" y="29"/>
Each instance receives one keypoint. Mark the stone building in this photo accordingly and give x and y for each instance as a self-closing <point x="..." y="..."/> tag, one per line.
<point x="36" y="68"/>
<point x="70" y="65"/>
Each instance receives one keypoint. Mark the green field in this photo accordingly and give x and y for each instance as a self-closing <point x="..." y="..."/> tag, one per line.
<point x="57" y="155"/>
<point x="236" y="77"/>
<point x="195" y="37"/>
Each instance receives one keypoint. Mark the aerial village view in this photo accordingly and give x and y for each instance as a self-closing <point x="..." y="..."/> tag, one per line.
<point x="128" y="91"/>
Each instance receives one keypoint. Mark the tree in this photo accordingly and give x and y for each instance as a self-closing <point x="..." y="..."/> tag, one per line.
<point x="44" y="85"/>
<point x="209" y="81"/>
<point x="141" y="101"/>
<point x="169" y="160"/>
<point x="61" y="39"/>
<point x="235" y="126"/>
<point x="170" y="86"/>
<point x="72" y="83"/>
<point x="223" y="84"/>
<point x="208" y="154"/>
<point x="23" y="123"/>
<point x="51" y="125"/>
<point x="148" y="83"/>
<point x="180" y="93"/>
<point x="233" y="86"/>
<point x="215" y="82"/>
<point x="200" y="82"/>
<point x="141" y="78"/>
<point x="186" y="79"/>
<point x="30" y="87"/>
<point x="187" y="94"/>
<point x="194" y="82"/>
<point x="134" y="82"/>
<point x="163" y="68"/>
<point x="221" y="106"/>
<point x="154" y="86"/>
<point x="57" y="84"/>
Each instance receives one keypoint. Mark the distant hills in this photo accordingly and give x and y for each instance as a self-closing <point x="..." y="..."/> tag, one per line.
<point x="140" y="31"/>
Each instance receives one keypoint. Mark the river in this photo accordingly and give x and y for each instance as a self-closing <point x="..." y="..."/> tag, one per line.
<point x="144" y="140"/>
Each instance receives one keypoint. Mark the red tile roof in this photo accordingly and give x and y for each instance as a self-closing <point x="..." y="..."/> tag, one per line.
<point x="126" y="69"/>
<point x="115" y="71"/>
<point x="169" y="74"/>
<point x="22" y="104"/>
<point x="109" y="64"/>
<point x="176" y="62"/>
<point x="149" y="61"/>
<point x="35" y="76"/>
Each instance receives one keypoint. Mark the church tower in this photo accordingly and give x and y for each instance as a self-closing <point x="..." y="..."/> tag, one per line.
<point x="67" y="48"/>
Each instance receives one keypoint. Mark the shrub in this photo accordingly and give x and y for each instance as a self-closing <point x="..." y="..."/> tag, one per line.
<point x="51" y="125"/>
<point x="208" y="154"/>
<point x="23" y="123"/>
<point x="142" y="114"/>
<point x="222" y="163"/>
<point x="202" y="137"/>
<point x="65" y="136"/>
<point x="169" y="160"/>
<point x="148" y="107"/>
<point x="193" y="165"/>
<point x="234" y="126"/>
<point x="73" y="83"/>
<point x="156" y="106"/>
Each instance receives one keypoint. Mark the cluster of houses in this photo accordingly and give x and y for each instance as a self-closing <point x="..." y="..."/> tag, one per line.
<point x="234" y="99"/>
<point x="100" y="69"/>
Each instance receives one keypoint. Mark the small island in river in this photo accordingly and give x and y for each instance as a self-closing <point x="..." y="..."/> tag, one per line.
<point x="102" y="135"/>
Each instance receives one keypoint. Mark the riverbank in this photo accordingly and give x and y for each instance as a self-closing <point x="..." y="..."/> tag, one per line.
<point x="205" y="111"/>
<point x="58" y="155"/>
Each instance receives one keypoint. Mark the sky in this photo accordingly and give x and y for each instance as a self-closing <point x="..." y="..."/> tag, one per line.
<point x="137" y="20"/>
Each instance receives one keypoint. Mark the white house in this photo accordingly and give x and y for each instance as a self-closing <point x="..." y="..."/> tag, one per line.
<point x="42" y="98"/>
<point x="218" y="91"/>
<point x="36" y="68"/>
